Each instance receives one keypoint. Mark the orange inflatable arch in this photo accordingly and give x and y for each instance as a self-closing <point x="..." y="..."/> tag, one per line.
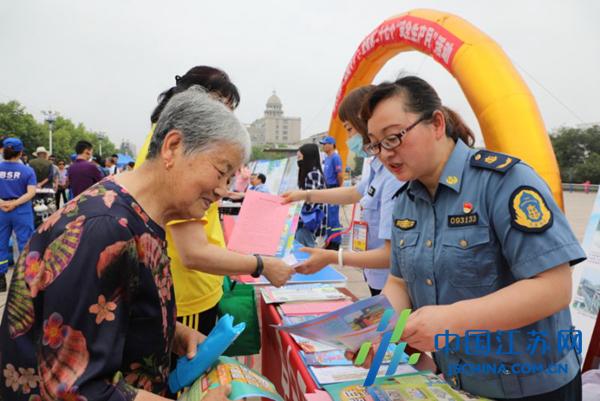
<point x="505" y="109"/>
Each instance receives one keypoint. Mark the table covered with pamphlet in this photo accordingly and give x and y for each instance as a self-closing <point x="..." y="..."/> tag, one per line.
<point x="307" y="327"/>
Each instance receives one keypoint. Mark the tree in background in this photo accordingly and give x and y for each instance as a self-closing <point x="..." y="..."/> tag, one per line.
<point x="15" y="121"/>
<point x="578" y="153"/>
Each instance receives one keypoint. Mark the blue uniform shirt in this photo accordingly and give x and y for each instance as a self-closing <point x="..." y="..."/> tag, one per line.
<point x="493" y="222"/>
<point x="259" y="188"/>
<point x="378" y="188"/>
<point x="14" y="179"/>
<point x="332" y="166"/>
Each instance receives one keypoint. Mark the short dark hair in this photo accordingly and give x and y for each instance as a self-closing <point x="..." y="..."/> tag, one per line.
<point x="9" y="153"/>
<point x="352" y="105"/>
<point x="131" y="164"/>
<point x="82" y="146"/>
<point x="212" y="79"/>
<point x="114" y="155"/>
<point x="262" y="177"/>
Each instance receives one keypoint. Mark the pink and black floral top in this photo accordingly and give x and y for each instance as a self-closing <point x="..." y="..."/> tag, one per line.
<point x="90" y="313"/>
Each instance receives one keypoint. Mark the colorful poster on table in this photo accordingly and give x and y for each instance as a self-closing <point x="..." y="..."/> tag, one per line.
<point x="586" y="281"/>
<point x="348" y="327"/>
<point x="273" y="171"/>
<point x="290" y="176"/>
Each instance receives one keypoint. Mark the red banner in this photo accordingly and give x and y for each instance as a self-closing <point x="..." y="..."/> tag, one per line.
<point x="425" y="35"/>
<point x="281" y="361"/>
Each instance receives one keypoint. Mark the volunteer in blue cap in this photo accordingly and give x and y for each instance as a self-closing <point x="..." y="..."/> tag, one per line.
<point x="17" y="187"/>
<point x="480" y="251"/>
<point x="334" y="178"/>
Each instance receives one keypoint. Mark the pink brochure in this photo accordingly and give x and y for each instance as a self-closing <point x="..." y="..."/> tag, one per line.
<point x="264" y="225"/>
<point x="312" y="308"/>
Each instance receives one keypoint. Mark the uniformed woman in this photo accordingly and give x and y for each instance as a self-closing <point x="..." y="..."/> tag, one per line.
<point x="17" y="187"/>
<point x="374" y="193"/>
<point x="478" y="246"/>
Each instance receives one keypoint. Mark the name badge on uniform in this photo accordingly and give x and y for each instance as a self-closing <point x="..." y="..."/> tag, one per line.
<point x="405" y="224"/>
<point x="371" y="191"/>
<point x="462" y="220"/>
<point x="360" y="233"/>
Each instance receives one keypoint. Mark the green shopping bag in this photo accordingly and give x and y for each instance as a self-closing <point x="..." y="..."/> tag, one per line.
<point x="238" y="300"/>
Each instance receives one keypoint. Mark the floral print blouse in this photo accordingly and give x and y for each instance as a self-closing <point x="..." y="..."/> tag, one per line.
<point x="90" y="313"/>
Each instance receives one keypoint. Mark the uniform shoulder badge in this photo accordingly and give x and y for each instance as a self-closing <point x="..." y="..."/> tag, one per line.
<point x="498" y="162"/>
<point x="529" y="210"/>
<point x="405" y="224"/>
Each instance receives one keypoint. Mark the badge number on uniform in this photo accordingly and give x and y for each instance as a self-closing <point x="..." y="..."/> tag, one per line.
<point x="529" y="211"/>
<point x="461" y="220"/>
<point x="405" y="224"/>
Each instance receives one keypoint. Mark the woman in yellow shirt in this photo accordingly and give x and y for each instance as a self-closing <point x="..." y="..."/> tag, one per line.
<point x="195" y="245"/>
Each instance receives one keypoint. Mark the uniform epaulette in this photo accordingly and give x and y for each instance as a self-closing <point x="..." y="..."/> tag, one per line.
<point x="402" y="189"/>
<point x="495" y="161"/>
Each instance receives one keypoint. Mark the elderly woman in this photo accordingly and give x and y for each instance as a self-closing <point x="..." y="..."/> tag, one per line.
<point x="90" y="312"/>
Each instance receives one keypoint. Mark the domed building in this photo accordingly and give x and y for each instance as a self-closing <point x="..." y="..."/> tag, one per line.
<point x="274" y="127"/>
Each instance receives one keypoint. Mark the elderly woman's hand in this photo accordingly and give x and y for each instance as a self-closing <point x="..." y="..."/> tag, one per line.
<point x="293" y="196"/>
<point x="186" y="340"/>
<point x="277" y="271"/>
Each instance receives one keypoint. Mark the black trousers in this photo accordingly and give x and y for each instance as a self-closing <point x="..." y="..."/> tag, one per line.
<point x="569" y="392"/>
<point x="203" y="321"/>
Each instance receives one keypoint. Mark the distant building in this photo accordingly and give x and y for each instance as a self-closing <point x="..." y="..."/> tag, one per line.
<point x="274" y="127"/>
<point x="313" y="138"/>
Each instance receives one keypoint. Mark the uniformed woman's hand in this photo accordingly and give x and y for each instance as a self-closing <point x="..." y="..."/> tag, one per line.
<point x="428" y="321"/>
<point x="277" y="271"/>
<point x="293" y="196"/>
<point x="319" y="258"/>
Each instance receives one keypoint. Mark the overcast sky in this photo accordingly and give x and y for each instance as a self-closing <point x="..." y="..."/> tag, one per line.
<point x="103" y="63"/>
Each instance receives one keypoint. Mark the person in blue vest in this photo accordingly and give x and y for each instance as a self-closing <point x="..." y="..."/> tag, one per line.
<point x="334" y="178"/>
<point x="258" y="183"/>
<point x="480" y="251"/>
<point x="17" y="188"/>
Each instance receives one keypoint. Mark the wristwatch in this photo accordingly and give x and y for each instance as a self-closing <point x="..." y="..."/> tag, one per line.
<point x="259" y="266"/>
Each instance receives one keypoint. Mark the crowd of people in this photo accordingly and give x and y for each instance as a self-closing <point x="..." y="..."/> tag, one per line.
<point x="32" y="189"/>
<point x="130" y="270"/>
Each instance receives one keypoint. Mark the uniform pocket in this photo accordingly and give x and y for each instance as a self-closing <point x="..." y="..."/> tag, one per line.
<point x="406" y="246"/>
<point x="469" y="257"/>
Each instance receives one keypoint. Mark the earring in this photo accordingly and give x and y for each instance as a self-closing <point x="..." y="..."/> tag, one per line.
<point x="167" y="165"/>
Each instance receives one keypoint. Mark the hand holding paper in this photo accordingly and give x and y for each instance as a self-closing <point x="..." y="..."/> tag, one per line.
<point x="319" y="258"/>
<point x="277" y="271"/>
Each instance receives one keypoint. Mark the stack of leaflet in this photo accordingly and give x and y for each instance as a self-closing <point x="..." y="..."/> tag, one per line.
<point x="324" y="338"/>
<point x="407" y="387"/>
<point x="301" y="293"/>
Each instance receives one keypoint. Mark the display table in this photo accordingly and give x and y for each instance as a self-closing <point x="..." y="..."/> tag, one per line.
<point x="281" y="361"/>
<point x="282" y="364"/>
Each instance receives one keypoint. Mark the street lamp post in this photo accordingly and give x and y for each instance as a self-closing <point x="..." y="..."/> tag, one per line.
<point x="101" y="135"/>
<point x="50" y="119"/>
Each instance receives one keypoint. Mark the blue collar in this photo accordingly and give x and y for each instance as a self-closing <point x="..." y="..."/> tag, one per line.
<point x="452" y="176"/>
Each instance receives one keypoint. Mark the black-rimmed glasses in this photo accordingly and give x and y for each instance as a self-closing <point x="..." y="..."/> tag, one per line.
<point x="391" y="141"/>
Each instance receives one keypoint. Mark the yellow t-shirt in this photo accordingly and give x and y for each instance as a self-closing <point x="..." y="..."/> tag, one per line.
<point x="195" y="291"/>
